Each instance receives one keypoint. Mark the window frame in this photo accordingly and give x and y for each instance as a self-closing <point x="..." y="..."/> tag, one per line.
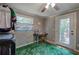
<point x="21" y="30"/>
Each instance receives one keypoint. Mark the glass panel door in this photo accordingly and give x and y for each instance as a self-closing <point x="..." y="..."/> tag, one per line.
<point x="65" y="30"/>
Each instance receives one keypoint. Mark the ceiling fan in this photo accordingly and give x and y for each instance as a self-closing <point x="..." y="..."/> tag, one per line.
<point x="53" y="5"/>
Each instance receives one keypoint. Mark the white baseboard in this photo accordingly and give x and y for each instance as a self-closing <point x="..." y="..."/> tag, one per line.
<point x="25" y="44"/>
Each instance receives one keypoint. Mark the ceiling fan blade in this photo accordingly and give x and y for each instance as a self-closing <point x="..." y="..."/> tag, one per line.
<point x="56" y="8"/>
<point x="43" y="9"/>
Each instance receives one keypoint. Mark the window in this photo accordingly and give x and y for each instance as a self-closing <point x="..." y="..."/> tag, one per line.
<point x="24" y="23"/>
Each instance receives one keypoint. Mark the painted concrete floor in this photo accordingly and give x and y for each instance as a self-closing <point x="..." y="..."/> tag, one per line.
<point x="43" y="49"/>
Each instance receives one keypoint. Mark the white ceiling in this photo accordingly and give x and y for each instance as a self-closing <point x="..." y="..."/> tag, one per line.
<point x="35" y="8"/>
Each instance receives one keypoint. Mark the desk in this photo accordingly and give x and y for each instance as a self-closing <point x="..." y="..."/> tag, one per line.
<point x="43" y="37"/>
<point x="40" y="37"/>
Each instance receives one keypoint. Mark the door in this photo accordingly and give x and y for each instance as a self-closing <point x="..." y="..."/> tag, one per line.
<point x="66" y="30"/>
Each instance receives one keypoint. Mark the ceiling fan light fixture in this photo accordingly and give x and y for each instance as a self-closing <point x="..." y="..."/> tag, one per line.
<point x="53" y="4"/>
<point x="47" y="5"/>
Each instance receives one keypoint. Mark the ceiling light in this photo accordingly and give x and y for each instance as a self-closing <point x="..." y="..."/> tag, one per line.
<point x="39" y="23"/>
<point x="52" y="4"/>
<point x="47" y="5"/>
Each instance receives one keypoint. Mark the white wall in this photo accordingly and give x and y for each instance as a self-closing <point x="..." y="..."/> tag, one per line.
<point x="77" y="31"/>
<point x="42" y="23"/>
<point x="23" y="38"/>
<point x="50" y="28"/>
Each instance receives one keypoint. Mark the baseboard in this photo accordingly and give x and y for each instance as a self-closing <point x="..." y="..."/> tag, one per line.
<point x="51" y="41"/>
<point x="26" y="44"/>
<point x="74" y="50"/>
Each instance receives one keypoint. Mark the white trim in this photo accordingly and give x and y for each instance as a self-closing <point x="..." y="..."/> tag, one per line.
<point x="25" y="44"/>
<point x="73" y="17"/>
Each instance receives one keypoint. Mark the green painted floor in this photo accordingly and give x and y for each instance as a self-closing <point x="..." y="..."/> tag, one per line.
<point x="42" y="49"/>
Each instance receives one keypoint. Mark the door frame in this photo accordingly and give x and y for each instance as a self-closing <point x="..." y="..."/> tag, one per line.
<point x="57" y="22"/>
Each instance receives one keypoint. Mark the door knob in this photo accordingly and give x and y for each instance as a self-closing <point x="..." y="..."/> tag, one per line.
<point x="72" y="32"/>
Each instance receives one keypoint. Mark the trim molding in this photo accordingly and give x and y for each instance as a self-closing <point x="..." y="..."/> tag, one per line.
<point x="24" y="45"/>
<point x="74" y="50"/>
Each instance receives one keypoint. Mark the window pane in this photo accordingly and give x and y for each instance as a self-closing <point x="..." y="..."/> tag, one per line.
<point x="64" y="30"/>
<point x="24" y="24"/>
<point x="24" y="20"/>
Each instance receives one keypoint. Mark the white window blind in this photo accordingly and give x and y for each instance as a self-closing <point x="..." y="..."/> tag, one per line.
<point x="24" y="23"/>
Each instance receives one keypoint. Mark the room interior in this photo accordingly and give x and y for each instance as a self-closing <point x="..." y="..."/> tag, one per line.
<point x="56" y="25"/>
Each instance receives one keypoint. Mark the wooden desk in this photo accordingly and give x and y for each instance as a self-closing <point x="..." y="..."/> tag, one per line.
<point x="43" y="37"/>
